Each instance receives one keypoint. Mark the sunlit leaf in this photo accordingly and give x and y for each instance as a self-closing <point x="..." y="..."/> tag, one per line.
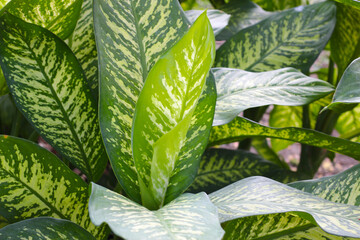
<point x="218" y="19"/>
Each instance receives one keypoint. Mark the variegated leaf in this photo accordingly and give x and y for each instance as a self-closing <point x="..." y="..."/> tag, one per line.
<point x="352" y="3"/>
<point x="276" y="5"/>
<point x="292" y="38"/>
<point x="348" y="124"/>
<point x="131" y="36"/>
<point x="238" y="90"/>
<point x="34" y="183"/>
<point x="221" y="167"/>
<point x="218" y="19"/>
<point x="45" y="229"/>
<point x="49" y="88"/>
<point x="165" y="109"/>
<point x="259" y="196"/>
<point x="242" y="127"/>
<point x="190" y="216"/>
<point x="59" y="17"/>
<point x="3" y="4"/>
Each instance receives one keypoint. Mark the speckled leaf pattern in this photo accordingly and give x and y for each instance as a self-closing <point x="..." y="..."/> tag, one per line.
<point x="166" y="106"/>
<point x="239" y="90"/>
<point x="292" y="38"/>
<point x="34" y="183"/>
<point x="131" y="36"/>
<point x="258" y="195"/>
<point x="221" y="167"/>
<point x="82" y="43"/>
<point x="57" y="16"/>
<point x="190" y="216"/>
<point x="218" y="19"/>
<point x="49" y="88"/>
<point x="352" y="3"/>
<point x="242" y="127"/>
<point x="45" y="229"/>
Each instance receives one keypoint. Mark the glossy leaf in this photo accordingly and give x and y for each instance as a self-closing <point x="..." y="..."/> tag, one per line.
<point x="221" y="167"/>
<point x="61" y="21"/>
<point x="44" y="229"/>
<point x="239" y="90"/>
<point x="292" y="38"/>
<point x="352" y="3"/>
<point x="49" y="88"/>
<point x="166" y="106"/>
<point x="218" y="19"/>
<point x="3" y="3"/>
<point x="131" y="36"/>
<point x="259" y="195"/>
<point x="188" y="217"/>
<point x="242" y="127"/>
<point x="34" y="183"/>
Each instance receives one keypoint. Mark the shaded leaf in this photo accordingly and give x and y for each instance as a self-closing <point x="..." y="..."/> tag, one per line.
<point x="352" y="3"/>
<point x="276" y="5"/>
<point x="3" y="87"/>
<point x="218" y="19"/>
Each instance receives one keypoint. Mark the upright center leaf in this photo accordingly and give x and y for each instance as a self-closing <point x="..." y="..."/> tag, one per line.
<point x="165" y="107"/>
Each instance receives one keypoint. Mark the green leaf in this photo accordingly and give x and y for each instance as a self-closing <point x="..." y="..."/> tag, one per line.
<point x="49" y="88"/>
<point x="3" y="222"/>
<point x="166" y="106"/>
<point x="34" y="182"/>
<point x="259" y="195"/>
<point x="131" y="36"/>
<point x="243" y="14"/>
<point x="221" y="167"/>
<point x="348" y="124"/>
<point x="190" y="216"/>
<point x="44" y="229"/>
<point x="218" y="19"/>
<point x="352" y="3"/>
<point x="241" y="127"/>
<point x="3" y="87"/>
<point x="292" y="38"/>
<point x="3" y="3"/>
<point x="57" y="16"/>
<point x="239" y="90"/>
<point x="276" y="5"/>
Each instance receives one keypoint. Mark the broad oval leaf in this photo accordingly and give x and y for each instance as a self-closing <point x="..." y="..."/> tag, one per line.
<point x="43" y="229"/>
<point x="292" y="38"/>
<point x="239" y="90"/>
<point x="49" y="88"/>
<point x="190" y="216"/>
<point x="166" y="106"/>
<point x="218" y="19"/>
<point x="34" y="183"/>
<point x="259" y="195"/>
<point x="131" y="35"/>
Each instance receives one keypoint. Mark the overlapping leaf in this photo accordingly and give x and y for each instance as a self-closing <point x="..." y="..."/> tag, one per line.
<point x="131" y="36"/>
<point x="49" y="88"/>
<point x="3" y="87"/>
<point x="34" y="182"/>
<point x="241" y="127"/>
<point x="166" y="106"/>
<point x="188" y="217"/>
<point x="292" y="38"/>
<point x="218" y="19"/>
<point x="276" y="5"/>
<point x="352" y="3"/>
<point x="239" y="90"/>
<point x="348" y="124"/>
<point x="258" y="196"/>
<point x="44" y="229"/>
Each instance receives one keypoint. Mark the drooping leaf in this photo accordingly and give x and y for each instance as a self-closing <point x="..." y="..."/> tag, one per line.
<point x="218" y="19"/>
<point x="348" y="124"/>
<point x="49" y="88"/>
<point x="131" y="36"/>
<point x="239" y="90"/>
<point x="243" y="14"/>
<point x="43" y="229"/>
<point x="292" y="38"/>
<point x="34" y="183"/>
<point x="352" y="3"/>
<point x="242" y="127"/>
<point x="59" y="17"/>
<point x="166" y="106"/>
<point x="276" y="5"/>
<point x="259" y="196"/>
<point x="190" y="216"/>
<point x="221" y="167"/>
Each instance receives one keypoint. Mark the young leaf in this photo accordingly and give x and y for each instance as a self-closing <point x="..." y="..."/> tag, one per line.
<point x="292" y="38"/>
<point x="131" y="36"/>
<point x="43" y="229"/>
<point x="166" y="106"/>
<point x="241" y="127"/>
<point x="218" y="19"/>
<point x="239" y="90"/>
<point x="49" y="88"/>
<point x="34" y="183"/>
<point x="259" y="195"/>
<point x="188" y="217"/>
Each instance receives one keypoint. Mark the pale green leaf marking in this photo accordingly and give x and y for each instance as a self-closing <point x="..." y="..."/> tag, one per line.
<point x="352" y="3"/>
<point x="218" y="19"/>
<point x="348" y="124"/>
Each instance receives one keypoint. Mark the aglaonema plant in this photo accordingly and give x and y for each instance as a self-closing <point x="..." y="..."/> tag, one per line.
<point x="152" y="118"/>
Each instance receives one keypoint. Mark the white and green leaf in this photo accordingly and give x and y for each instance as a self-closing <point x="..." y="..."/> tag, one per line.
<point x="50" y="89"/>
<point x="190" y="216"/>
<point x="239" y="90"/>
<point x="218" y="19"/>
